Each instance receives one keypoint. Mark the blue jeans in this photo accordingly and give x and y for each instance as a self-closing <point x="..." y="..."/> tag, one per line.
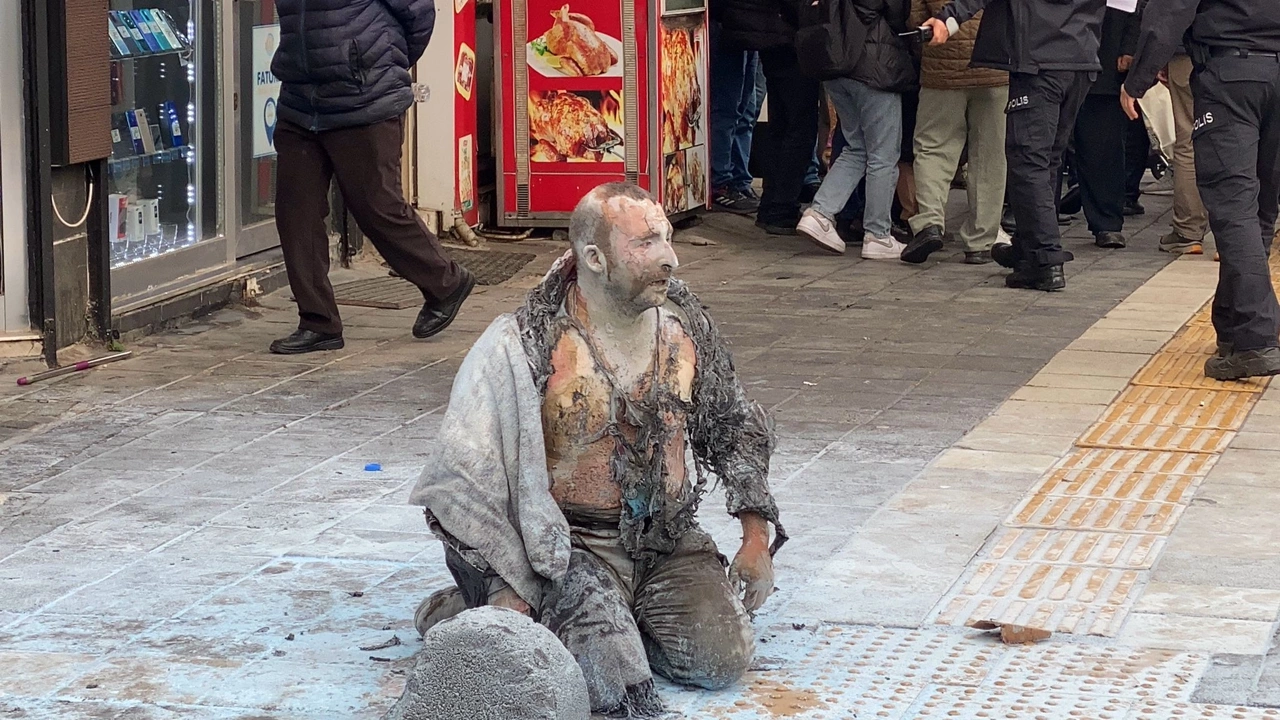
<point x="737" y="91"/>
<point x="857" y="202"/>
<point x="872" y="124"/>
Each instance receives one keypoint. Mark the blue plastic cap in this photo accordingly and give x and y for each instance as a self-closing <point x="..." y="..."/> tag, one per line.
<point x="373" y="467"/>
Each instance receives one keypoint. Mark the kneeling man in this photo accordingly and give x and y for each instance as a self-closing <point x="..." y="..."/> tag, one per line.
<point x="560" y="486"/>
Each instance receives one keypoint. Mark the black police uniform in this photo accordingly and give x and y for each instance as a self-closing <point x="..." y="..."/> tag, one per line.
<point x="1050" y="49"/>
<point x="1235" y="48"/>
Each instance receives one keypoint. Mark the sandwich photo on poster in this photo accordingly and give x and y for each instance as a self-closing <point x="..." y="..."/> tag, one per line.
<point x="567" y="43"/>
<point x="580" y="126"/>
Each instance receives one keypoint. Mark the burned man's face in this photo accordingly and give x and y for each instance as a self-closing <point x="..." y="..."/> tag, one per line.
<point x="640" y="257"/>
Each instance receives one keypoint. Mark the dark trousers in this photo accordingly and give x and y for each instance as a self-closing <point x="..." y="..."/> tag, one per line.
<point x="1237" y="146"/>
<point x="366" y="162"/>
<point x="791" y="132"/>
<point x="1040" y="118"/>
<point x="1137" y="150"/>
<point x="1100" y="133"/>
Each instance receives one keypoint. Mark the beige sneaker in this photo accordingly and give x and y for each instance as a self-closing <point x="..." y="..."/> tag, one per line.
<point x="885" y="248"/>
<point x="822" y="231"/>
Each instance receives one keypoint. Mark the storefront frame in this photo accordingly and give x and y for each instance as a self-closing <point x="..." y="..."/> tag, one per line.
<point x="14" y="312"/>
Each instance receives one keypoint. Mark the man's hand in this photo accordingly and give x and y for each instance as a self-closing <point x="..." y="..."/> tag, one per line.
<point x="752" y="571"/>
<point x="508" y="598"/>
<point x="940" y="32"/>
<point x="1128" y="103"/>
<point x="1124" y="62"/>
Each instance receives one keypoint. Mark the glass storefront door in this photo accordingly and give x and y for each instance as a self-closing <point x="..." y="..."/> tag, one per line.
<point x="13" y="266"/>
<point x="257" y="35"/>
<point x="164" y="174"/>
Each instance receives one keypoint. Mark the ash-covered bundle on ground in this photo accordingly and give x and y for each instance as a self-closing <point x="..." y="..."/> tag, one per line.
<point x="493" y="664"/>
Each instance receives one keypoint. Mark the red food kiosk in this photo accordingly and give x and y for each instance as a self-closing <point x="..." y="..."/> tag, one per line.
<point x="585" y="92"/>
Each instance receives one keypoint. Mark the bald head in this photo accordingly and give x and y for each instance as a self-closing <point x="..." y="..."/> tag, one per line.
<point x="595" y="217"/>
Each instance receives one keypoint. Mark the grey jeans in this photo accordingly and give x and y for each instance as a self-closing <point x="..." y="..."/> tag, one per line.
<point x="872" y="123"/>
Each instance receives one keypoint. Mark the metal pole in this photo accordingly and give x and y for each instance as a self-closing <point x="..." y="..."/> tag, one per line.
<point x="35" y="52"/>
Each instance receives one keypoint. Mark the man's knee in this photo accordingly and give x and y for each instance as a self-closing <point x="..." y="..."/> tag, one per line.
<point x="712" y="658"/>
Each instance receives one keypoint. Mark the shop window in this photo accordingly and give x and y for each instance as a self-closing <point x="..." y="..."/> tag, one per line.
<point x="163" y="169"/>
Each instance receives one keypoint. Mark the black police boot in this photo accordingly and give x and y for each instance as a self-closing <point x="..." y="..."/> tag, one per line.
<point x="1004" y="255"/>
<point x="305" y="341"/>
<point x="928" y="240"/>
<point x="434" y="318"/>
<point x="1048" y="278"/>
<point x="1109" y="240"/>
<point x="1244" y="364"/>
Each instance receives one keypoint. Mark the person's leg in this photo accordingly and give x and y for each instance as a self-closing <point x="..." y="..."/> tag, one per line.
<point x="1137" y="150"/>
<point x="850" y="165"/>
<point x="693" y="624"/>
<point x="303" y="173"/>
<point x="909" y="104"/>
<point x="882" y="130"/>
<point x="1190" y="219"/>
<point x="590" y="611"/>
<point x="367" y="164"/>
<point x="793" y="125"/>
<point x="1035" y="140"/>
<point x="1230" y="168"/>
<point x="728" y="81"/>
<point x="987" y="168"/>
<point x="748" y="113"/>
<point x="939" y="140"/>
<point x="1100" y="133"/>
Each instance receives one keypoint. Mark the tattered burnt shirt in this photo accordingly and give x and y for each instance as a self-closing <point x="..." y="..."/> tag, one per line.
<point x="644" y="430"/>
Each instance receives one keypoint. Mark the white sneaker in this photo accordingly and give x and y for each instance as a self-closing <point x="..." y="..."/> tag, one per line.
<point x="881" y="248"/>
<point x="822" y="231"/>
<point x="1003" y="237"/>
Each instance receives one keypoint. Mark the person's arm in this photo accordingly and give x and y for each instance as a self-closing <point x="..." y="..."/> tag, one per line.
<point x="1159" y="37"/>
<point x="732" y="437"/>
<point x="418" y="18"/>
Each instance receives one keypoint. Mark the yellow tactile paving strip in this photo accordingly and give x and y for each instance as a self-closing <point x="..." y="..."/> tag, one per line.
<point x="1076" y="551"/>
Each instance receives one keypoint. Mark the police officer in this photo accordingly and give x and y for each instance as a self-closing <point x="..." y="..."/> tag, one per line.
<point x="1050" y="49"/>
<point x="1235" y="48"/>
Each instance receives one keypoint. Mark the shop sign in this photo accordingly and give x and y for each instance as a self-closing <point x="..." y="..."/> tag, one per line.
<point x="266" y="90"/>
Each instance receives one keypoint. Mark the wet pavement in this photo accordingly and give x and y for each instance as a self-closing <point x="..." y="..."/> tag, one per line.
<point x="198" y="532"/>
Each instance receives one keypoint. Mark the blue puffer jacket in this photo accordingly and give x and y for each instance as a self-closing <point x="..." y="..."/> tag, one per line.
<point x="345" y="63"/>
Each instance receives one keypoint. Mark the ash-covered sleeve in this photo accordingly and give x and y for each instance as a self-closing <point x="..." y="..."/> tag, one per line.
<point x="730" y="434"/>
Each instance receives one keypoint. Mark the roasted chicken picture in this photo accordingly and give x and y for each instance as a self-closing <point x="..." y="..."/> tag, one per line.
<point x="681" y="90"/>
<point x="573" y="46"/>
<point x="674" y="198"/>
<point x="564" y="126"/>
<point x="696" y="177"/>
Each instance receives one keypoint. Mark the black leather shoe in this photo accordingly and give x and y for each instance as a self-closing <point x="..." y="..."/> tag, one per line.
<point x="977" y="257"/>
<point x="1050" y="278"/>
<point x="434" y="318"/>
<point x="928" y="240"/>
<point x="1109" y="240"/>
<point x="1133" y="207"/>
<point x="1004" y="255"/>
<point x="305" y="341"/>
<point x="1244" y="364"/>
